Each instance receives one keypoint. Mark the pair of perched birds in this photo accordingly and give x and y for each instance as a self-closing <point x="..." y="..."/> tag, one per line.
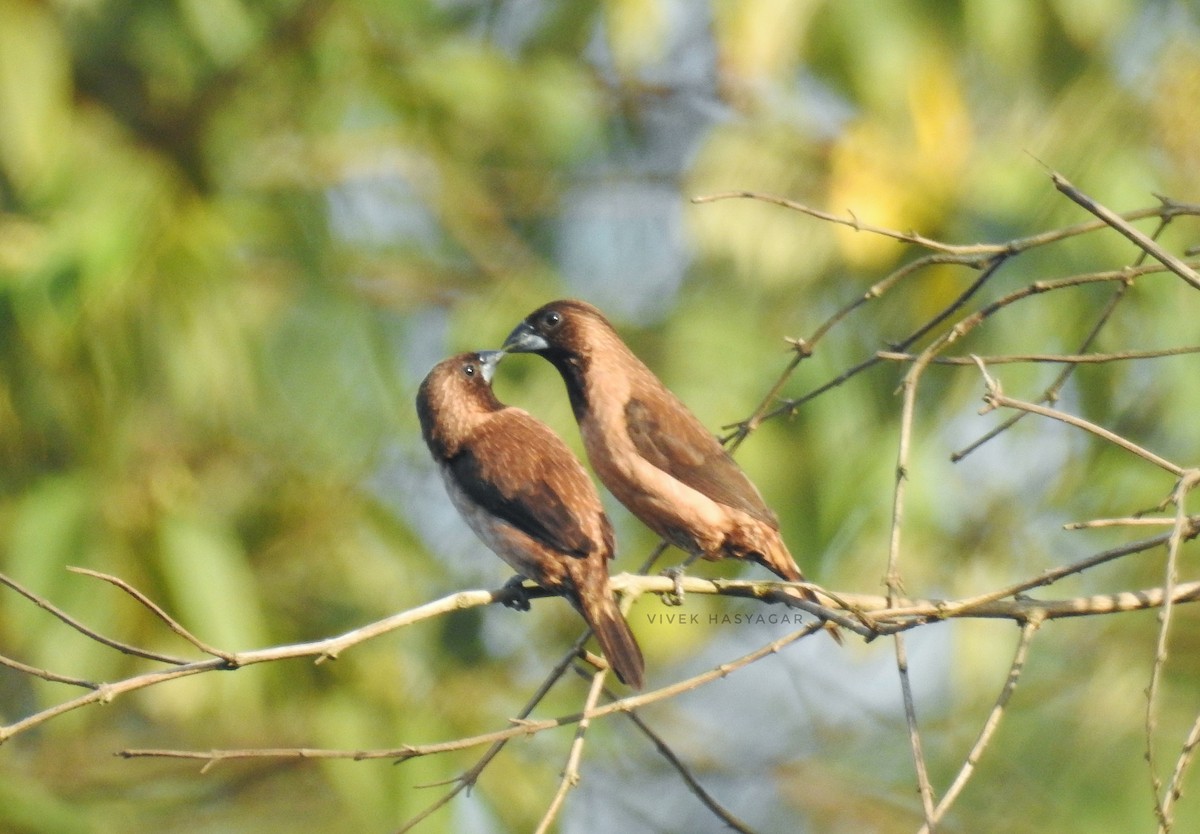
<point x="530" y="500"/>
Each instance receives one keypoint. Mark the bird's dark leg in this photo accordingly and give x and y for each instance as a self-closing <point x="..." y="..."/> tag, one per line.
<point x="675" y="597"/>
<point x="516" y="599"/>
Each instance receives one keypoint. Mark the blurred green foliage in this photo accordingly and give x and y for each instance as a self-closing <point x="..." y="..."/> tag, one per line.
<point x="234" y="235"/>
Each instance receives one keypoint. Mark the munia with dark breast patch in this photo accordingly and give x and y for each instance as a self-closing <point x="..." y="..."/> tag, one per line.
<point x="526" y="496"/>
<point x="651" y="452"/>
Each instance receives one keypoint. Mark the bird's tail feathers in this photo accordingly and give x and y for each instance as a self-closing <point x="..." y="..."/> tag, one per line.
<point x="616" y="638"/>
<point x="778" y="559"/>
<point x="772" y="553"/>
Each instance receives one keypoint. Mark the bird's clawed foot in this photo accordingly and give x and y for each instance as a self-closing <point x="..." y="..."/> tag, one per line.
<point x="517" y="598"/>
<point x="675" y="596"/>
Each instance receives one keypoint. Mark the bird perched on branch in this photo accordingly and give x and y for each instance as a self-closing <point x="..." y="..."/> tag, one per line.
<point x="526" y="496"/>
<point x="651" y="452"/>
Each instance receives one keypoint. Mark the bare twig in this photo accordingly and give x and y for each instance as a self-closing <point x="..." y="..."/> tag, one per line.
<point x="124" y="648"/>
<point x="879" y="288"/>
<point x="1116" y="221"/>
<point x="1056" y="358"/>
<point x="157" y="611"/>
<point x="950" y="335"/>
<point x="1131" y="521"/>
<point x="1175" y="786"/>
<point x="465" y="781"/>
<point x="570" y="774"/>
<point x="521" y="728"/>
<point x="989" y="726"/>
<point x="801" y="351"/>
<point x="911" y="380"/>
<point x="1051" y="393"/>
<point x="1166" y="209"/>
<point x="320" y="650"/>
<point x="45" y="674"/>
<point x="974" y="606"/>
<point x="995" y="398"/>
<point x="874" y="614"/>
<point x="984" y="249"/>
<point x="718" y="810"/>
<point x="1163" y="806"/>
<point x="924" y="786"/>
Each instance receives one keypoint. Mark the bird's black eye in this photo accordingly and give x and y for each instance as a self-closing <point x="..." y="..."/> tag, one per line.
<point x="552" y="319"/>
<point x="469" y="369"/>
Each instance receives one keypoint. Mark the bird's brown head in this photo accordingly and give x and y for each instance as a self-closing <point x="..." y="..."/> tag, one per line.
<point x="560" y="328"/>
<point x="455" y="396"/>
<point x="573" y="336"/>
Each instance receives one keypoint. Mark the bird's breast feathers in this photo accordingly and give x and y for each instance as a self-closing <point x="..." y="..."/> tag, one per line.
<point x="667" y="505"/>
<point x="515" y="474"/>
<point x="520" y="551"/>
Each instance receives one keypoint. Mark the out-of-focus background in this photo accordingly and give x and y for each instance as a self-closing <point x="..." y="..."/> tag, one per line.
<point x="235" y="235"/>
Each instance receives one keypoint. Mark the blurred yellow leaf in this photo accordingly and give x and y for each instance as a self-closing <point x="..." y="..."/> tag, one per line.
<point x="1092" y="23"/>
<point x="760" y="40"/>
<point x="1176" y="116"/>
<point x="636" y="32"/>
<point x="223" y="26"/>
<point x="901" y="175"/>
<point x="34" y="92"/>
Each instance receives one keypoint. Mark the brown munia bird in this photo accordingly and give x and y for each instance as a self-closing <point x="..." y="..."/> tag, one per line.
<point x="651" y="452"/>
<point x="526" y="496"/>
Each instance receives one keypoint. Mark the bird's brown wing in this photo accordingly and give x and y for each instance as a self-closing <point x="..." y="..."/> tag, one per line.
<point x="520" y="471"/>
<point x="671" y="438"/>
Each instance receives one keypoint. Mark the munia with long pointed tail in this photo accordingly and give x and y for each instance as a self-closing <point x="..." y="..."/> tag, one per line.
<point x="526" y="496"/>
<point x="651" y="452"/>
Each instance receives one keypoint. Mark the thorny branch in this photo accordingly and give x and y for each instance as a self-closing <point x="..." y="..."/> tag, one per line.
<point x="989" y="727"/>
<point x="467" y="780"/>
<point x="1116" y="221"/>
<point x="1164" y="806"/>
<point x="987" y="258"/>
<point x="869" y="615"/>
<point x="520" y="728"/>
<point x="570" y="774"/>
<point x="880" y="614"/>
<point x="995" y="399"/>
<point x="693" y="784"/>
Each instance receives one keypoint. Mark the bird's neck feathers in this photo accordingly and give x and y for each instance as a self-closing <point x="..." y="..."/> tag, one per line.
<point x="458" y="416"/>
<point x="601" y="366"/>
<point x="574" y="370"/>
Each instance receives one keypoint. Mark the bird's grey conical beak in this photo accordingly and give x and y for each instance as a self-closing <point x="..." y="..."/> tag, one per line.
<point x="488" y="360"/>
<point x="524" y="340"/>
